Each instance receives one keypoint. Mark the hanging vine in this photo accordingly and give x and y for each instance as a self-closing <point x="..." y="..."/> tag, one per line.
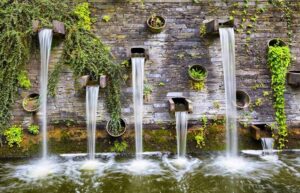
<point x="83" y="52"/>
<point x="279" y="59"/>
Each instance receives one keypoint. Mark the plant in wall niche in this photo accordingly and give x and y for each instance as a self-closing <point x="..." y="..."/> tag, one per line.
<point x="279" y="59"/>
<point x="198" y="76"/>
<point x="23" y="80"/>
<point x="106" y="18"/>
<point x="14" y="135"/>
<point x="156" y="23"/>
<point x="34" y="129"/>
<point x="119" y="146"/>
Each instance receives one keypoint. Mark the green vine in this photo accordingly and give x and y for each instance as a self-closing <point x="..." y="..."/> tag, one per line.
<point x="83" y="51"/>
<point x="279" y="59"/>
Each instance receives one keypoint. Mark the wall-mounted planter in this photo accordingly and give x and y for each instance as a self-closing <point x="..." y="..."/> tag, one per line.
<point x="180" y="104"/>
<point x="31" y="102"/>
<point x="276" y="42"/>
<point x="201" y="73"/>
<point x="242" y="99"/>
<point x="83" y="81"/>
<point x="103" y="81"/>
<point x="293" y="78"/>
<point x="118" y="133"/>
<point x="156" y="23"/>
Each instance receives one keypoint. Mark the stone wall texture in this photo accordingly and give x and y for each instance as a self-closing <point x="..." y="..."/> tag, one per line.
<point x="170" y="54"/>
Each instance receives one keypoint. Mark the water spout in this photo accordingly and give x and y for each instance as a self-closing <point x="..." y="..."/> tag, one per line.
<point x="138" y="87"/>
<point x="228" y="58"/>
<point x="267" y="145"/>
<point x="45" y="38"/>
<point x="91" y="116"/>
<point x="181" y="130"/>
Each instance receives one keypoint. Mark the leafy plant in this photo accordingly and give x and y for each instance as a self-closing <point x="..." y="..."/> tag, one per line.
<point x="155" y="21"/>
<point x="197" y="74"/>
<point x="83" y="13"/>
<point x="200" y="135"/>
<point x="14" y="135"/>
<point x="23" y="80"/>
<point x="202" y="30"/>
<point x="34" y="129"/>
<point x="119" y="146"/>
<point x="147" y="89"/>
<point x="279" y="59"/>
<point x="161" y="84"/>
<point x="106" y="18"/>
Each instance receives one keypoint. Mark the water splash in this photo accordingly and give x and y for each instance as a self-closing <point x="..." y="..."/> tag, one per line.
<point x="228" y="58"/>
<point x="181" y="130"/>
<point x="267" y="145"/>
<point x="138" y="87"/>
<point x="45" y="38"/>
<point x="91" y="118"/>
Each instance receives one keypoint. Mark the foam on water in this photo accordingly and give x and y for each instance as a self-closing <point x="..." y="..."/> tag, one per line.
<point x="142" y="167"/>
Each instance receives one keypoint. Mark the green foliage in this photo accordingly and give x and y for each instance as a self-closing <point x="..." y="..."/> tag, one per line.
<point x="198" y="74"/>
<point x="83" y="13"/>
<point x="34" y="129"/>
<point x="200" y="135"/>
<point x="14" y="135"/>
<point x="54" y="78"/>
<point x="279" y="59"/>
<point x="147" y="89"/>
<point x="216" y="104"/>
<point x="23" y="80"/>
<point x="161" y="84"/>
<point x="155" y="21"/>
<point x="106" y="18"/>
<point x="119" y="146"/>
<point x="258" y="102"/>
<point x="202" y="30"/>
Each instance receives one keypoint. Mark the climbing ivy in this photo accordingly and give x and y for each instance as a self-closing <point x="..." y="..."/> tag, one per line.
<point x="83" y="52"/>
<point x="279" y="59"/>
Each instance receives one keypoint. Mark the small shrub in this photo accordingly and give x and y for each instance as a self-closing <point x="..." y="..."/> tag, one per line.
<point x="23" y="80"/>
<point x="34" y="129"/>
<point x="119" y="146"/>
<point x="156" y="21"/>
<point x="14" y="135"/>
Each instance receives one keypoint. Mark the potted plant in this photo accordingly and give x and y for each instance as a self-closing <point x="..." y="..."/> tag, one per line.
<point x="197" y="73"/>
<point x="117" y="128"/>
<point x="156" y="23"/>
<point x="276" y="42"/>
<point x="242" y="99"/>
<point x="31" y="102"/>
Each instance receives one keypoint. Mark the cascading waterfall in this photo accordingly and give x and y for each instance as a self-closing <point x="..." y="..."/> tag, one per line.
<point x="91" y="116"/>
<point x="181" y="130"/>
<point x="138" y="87"/>
<point x="228" y="58"/>
<point x="45" y="38"/>
<point x="267" y="145"/>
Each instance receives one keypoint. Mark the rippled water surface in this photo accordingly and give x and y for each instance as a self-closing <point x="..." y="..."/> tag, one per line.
<point x="161" y="173"/>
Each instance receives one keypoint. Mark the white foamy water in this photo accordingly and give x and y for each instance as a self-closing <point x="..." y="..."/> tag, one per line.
<point x="228" y="59"/>
<point x="45" y="38"/>
<point x="138" y="91"/>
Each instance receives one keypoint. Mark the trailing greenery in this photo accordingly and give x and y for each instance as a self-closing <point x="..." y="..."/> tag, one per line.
<point x="23" y="80"/>
<point x="34" y="129"/>
<point x="200" y="135"/>
<point x="279" y="59"/>
<point x="14" y="135"/>
<point x="83" y="52"/>
<point x="119" y="146"/>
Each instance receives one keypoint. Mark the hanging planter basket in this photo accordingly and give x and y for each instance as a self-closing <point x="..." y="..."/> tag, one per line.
<point x="242" y="99"/>
<point x="156" y="23"/>
<point x="120" y="132"/>
<point x="31" y="102"/>
<point x="276" y="42"/>
<point x="197" y="73"/>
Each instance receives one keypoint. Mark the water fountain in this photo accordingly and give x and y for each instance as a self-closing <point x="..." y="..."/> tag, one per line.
<point x="138" y="87"/>
<point x="267" y="145"/>
<point x="228" y="58"/>
<point x="181" y="131"/>
<point x="45" y="38"/>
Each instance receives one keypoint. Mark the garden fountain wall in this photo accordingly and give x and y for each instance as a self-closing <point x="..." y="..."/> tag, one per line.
<point x="170" y="54"/>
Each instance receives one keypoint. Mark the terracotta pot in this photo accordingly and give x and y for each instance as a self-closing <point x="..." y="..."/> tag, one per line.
<point x="156" y="29"/>
<point x="31" y="102"/>
<point x="120" y="133"/>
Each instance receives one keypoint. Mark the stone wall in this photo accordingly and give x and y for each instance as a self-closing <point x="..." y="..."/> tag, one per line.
<point x="170" y="54"/>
